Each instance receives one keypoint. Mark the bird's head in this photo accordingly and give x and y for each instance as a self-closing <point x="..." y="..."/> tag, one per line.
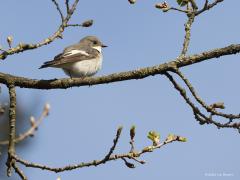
<point x="92" y="41"/>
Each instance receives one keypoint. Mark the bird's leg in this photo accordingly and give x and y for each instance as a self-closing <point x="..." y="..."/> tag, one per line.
<point x="70" y="74"/>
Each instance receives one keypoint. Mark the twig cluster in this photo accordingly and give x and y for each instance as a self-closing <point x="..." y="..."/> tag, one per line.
<point x="192" y="11"/>
<point x="212" y="109"/>
<point x="132" y="155"/>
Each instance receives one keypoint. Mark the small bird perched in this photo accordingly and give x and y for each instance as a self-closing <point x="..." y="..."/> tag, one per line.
<point x="79" y="60"/>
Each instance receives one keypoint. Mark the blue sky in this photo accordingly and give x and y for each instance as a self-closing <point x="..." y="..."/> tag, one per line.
<point x="83" y="121"/>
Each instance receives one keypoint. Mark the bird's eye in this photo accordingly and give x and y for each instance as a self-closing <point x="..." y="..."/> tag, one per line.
<point x="94" y="42"/>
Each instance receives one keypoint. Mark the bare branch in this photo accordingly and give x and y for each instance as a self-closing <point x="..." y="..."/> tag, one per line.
<point x="123" y="76"/>
<point x="203" y="119"/>
<point x="208" y="6"/>
<point x="58" y="9"/>
<point x="184" y="95"/>
<point x="165" y="7"/>
<point x="67" y="5"/>
<point x="180" y="10"/>
<point x="58" y="34"/>
<point x="86" y="23"/>
<point x="137" y="160"/>
<point x="12" y="126"/>
<point x="133" y="156"/>
<point x="194" y="5"/>
<point x="30" y="132"/>
<point x="211" y="108"/>
<point x="115" y="141"/>
<point x="19" y="172"/>
<point x="128" y="164"/>
<point x="188" y="26"/>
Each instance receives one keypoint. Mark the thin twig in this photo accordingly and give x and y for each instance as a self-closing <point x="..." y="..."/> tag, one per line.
<point x="146" y="149"/>
<point x="74" y="25"/>
<point x="177" y="9"/>
<point x="128" y="164"/>
<point x="58" y="9"/>
<point x="205" y="4"/>
<point x="30" y="132"/>
<point x="184" y="95"/>
<point x="210" y="109"/>
<point x="115" y="141"/>
<point x="208" y="6"/>
<point x="19" y="172"/>
<point x="137" y="160"/>
<point x="203" y="119"/>
<point x="67" y="5"/>
<point x="194" y="5"/>
<point x="58" y="34"/>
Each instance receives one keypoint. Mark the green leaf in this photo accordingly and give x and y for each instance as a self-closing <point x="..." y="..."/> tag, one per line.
<point x="182" y="139"/>
<point x="171" y="137"/>
<point x="154" y="137"/>
<point x="182" y="2"/>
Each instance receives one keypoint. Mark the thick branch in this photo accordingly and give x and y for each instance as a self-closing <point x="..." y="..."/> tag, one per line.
<point x="135" y="74"/>
<point x="12" y="128"/>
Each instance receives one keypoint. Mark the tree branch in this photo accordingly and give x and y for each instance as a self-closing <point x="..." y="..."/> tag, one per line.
<point x="58" y="34"/>
<point x="194" y="5"/>
<point x="199" y="116"/>
<point x="129" y="75"/>
<point x="12" y="128"/>
<point x="208" y="6"/>
<point x="115" y="141"/>
<point x="188" y="26"/>
<point x="59" y="10"/>
<point x="208" y="108"/>
<point x="179" y="10"/>
<point x="67" y="5"/>
<point x="131" y="155"/>
<point x="34" y="126"/>
<point x="19" y="172"/>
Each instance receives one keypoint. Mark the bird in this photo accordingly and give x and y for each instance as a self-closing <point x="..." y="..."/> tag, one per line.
<point x="80" y="60"/>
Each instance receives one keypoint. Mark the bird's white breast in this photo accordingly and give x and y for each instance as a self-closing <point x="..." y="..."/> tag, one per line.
<point x="84" y="68"/>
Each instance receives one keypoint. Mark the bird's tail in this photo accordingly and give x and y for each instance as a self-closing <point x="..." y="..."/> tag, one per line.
<point x="47" y="64"/>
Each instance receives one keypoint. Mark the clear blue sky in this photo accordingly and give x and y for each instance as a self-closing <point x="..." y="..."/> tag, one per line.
<point x="83" y="121"/>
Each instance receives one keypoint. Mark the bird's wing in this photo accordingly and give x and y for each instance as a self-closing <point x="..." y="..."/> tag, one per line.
<point x="71" y="55"/>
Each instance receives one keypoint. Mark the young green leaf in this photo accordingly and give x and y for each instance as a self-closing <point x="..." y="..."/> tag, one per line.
<point x="154" y="137"/>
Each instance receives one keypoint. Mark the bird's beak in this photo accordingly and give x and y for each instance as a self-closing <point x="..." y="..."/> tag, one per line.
<point x="103" y="45"/>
